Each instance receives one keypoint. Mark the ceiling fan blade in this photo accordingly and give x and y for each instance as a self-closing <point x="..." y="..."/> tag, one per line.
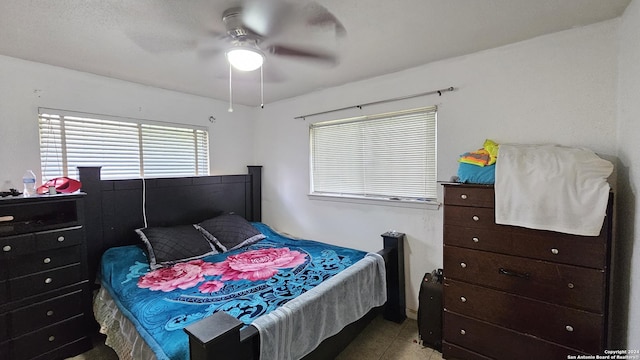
<point x="319" y="16"/>
<point x="266" y="17"/>
<point x="207" y="53"/>
<point x="323" y="57"/>
<point x="270" y="18"/>
<point x="212" y="45"/>
<point x="169" y="26"/>
<point x="159" y="44"/>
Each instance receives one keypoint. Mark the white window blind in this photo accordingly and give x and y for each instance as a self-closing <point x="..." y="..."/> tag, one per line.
<point x="125" y="148"/>
<point x="383" y="156"/>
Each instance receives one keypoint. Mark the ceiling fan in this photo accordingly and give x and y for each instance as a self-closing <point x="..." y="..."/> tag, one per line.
<point x="249" y="34"/>
<point x="259" y="29"/>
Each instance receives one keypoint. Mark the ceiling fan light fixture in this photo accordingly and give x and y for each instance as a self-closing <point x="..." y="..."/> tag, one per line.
<point x="245" y="58"/>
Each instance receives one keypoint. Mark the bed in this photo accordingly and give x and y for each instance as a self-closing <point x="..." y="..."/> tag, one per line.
<point x="115" y="209"/>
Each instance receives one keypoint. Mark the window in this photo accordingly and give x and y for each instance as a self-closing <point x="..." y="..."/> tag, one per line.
<point x="125" y="148"/>
<point x="391" y="155"/>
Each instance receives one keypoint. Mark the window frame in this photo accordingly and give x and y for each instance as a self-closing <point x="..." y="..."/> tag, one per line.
<point x="141" y="130"/>
<point x="389" y="200"/>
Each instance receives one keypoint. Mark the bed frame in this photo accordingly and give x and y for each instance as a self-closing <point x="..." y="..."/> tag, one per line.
<point x="114" y="208"/>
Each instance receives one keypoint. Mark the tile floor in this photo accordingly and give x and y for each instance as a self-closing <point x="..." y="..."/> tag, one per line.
<point x="380" y="340"/>
<point x="386" y="340"/>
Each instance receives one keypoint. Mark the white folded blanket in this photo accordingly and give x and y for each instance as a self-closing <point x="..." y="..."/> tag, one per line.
<point x="296" y="328"/>
<point x="551" y="187"/>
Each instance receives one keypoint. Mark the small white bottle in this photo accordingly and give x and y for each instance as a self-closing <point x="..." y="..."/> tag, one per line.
<point x="29" y="182"/>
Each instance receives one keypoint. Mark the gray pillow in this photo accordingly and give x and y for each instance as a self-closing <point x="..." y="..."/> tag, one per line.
<point x="230" y="232"/>
<point x="170" y="245"/>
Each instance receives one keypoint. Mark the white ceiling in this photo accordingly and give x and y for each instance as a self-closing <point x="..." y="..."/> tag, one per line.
<point x="383" y="36"/>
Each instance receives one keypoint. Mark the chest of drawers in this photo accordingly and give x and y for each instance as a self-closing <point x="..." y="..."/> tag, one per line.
<point x="45" y="299"/>
<point x="516" y="293"/>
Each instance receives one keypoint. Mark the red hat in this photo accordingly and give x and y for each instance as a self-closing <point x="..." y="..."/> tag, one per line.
<point x="61" y="184"/>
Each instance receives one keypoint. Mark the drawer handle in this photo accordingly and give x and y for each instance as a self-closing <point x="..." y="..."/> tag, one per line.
<point x="463" y="299"/>
<point x="48" y="280"/>
<point x="463" y="265"/>
<point x="504" y="271"/>
<point x="50" y="313"/>
<point x="569" y="328"/>
<point x="475" y="218"/>
<point x="462" y="332"/>
<point x="475" y="239"/>
<point x="554" y="251"/>
<point x="463" y="196"/>
<point x="6" y="218"/>
<point x="570" y="285"/>
<point x="60" y="238"/>
<point x="46" y="260"/>
<point x="51" y="338"/>
<point x="6" y="248"/>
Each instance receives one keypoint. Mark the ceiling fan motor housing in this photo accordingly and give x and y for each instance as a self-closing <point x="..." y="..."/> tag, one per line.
<point x="232" y="19"/>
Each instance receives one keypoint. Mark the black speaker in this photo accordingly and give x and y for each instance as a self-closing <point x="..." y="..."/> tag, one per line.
<point x="430" y="310"/>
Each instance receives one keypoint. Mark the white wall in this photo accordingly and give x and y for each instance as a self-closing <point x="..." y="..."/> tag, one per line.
<point x="25" y="86"/>
<point x="553" y="89"/>
<point x="627" y="291"/>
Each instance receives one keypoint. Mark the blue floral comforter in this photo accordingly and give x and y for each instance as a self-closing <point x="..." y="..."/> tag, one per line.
<point x="246" y="283"/>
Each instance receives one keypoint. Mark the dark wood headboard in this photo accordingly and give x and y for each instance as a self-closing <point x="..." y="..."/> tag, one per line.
<point x="114" y="208"/>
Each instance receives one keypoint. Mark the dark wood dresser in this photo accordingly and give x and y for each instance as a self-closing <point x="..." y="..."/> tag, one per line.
<point x="517" y="293"/>
<point x="45" y="299"/>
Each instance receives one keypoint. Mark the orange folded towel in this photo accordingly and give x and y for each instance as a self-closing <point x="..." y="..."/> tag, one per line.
<point x="480" y="157"/>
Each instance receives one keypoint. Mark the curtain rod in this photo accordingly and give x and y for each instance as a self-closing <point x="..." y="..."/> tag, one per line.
<point x="439" y="92"/>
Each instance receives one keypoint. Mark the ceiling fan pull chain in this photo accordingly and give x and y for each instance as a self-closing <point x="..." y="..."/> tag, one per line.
<point x="261" y="87"/>
<point x="230" y="91"/>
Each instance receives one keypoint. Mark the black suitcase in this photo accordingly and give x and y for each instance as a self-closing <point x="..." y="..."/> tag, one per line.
<point x="430" y="310"/>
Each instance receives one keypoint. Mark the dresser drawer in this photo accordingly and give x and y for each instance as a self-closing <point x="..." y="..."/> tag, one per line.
<point x="562" y="284"/>
<point x="4" y="292"/>
<point x="571" y="327"/>
<point x="49" y="338"/>
<point x="479" y="196"/>
<point x="455" y="352"/>
<point x="4" y="327"/>
<point x="4" y="350"/>
<point x="70" y="350"/>
<point x="589" y="251"/>
<point x="54" y="239"/>
<point x="43" y="260"/>
<point x="46" y="313"/>
<point x="472" y="218"/>
<point x="13" y="246"/>
<point x="17" y="245"/>
<point x="478" y="238"/>
<point x="498" y="342"/>
<point x="562" y="248"/>
<point x="44" y="281"/>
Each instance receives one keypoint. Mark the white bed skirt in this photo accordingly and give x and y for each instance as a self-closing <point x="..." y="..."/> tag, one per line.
<point x="122" y="336"/>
